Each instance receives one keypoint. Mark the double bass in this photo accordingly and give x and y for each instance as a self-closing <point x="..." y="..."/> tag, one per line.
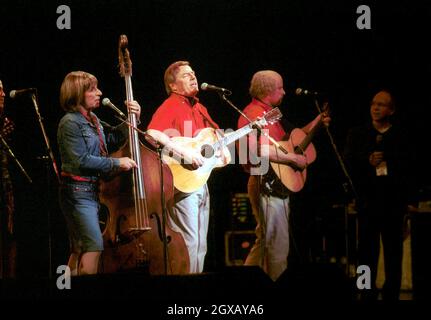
<point x="135" y="204"/>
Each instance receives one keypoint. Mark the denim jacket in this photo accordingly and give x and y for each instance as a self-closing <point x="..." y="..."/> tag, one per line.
<point x="79" y="145"/>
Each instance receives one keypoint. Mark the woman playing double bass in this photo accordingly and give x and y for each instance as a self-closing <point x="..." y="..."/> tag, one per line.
<point x="83" y="144"/>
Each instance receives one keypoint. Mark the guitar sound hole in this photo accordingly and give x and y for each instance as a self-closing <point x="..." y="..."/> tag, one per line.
<point x="207" y="151"/>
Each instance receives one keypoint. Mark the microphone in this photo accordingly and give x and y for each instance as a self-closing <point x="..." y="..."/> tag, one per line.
<point x="14" y="93"/>
<point x="206" y="86"/>
<point x="303" y="92"/>
<point x="107" y="103"/>
<point x="379" y="142"/>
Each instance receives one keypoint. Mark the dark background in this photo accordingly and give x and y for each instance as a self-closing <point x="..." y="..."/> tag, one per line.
<point x="312" y="45"/>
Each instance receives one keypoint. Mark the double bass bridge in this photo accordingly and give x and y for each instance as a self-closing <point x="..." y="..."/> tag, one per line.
<point x="137" y="231"/>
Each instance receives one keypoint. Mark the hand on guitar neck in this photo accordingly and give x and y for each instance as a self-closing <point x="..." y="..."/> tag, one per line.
<point x="325" y="117"/>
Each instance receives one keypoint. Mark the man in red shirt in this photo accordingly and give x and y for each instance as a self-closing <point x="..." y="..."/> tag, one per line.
<point x="270" y="206"/>
<point x="181" y="114"/>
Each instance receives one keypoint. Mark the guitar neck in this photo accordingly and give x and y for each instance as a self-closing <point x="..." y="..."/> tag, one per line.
<point x="307" y="140"/>
<point x="227" y="140"/>
<point x="270" y="117"/>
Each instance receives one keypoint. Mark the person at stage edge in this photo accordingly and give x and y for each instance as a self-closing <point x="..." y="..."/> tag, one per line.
<point x="379" y="157"/>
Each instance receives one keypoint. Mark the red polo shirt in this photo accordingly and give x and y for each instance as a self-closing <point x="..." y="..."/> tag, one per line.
<point x="256" y="109"/>
<point x="178" y="117"/>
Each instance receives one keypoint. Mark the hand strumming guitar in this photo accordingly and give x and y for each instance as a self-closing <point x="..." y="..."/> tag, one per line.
<point x="297" y="161"/>
<point x="192" y="159"/>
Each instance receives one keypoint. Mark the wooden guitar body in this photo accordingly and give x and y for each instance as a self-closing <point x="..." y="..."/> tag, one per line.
<point x="291" y="178"/>
<point x="188" y="180"/>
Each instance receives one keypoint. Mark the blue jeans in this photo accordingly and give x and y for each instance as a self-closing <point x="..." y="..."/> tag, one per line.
<point x="80" y="205"/>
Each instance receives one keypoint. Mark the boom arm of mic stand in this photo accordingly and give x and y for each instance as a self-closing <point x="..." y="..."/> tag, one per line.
<point x="11" y="154"/>
<point x="259" y="128"/>
<point x="144" y="133"/>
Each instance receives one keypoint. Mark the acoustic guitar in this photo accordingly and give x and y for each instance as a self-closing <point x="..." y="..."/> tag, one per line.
<point x="300" y="143"/>
<point x="214" y="150"/>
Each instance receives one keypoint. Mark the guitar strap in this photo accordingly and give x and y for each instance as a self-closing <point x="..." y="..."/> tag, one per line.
<point x="208" y="120"/>
<point x="272" y="185"/>
<point x="193" y="101"/>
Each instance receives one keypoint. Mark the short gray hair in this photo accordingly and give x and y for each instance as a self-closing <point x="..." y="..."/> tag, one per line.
<point x="263" y="83"/>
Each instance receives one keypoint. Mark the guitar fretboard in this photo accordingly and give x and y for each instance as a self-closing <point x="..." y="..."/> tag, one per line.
<point x="227" y="140"/>
<point x="304" y="144"/>
<point x="271" y="116"/>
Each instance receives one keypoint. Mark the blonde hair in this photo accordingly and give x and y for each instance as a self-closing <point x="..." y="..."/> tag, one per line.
<point x="171" y="74"/>
<point x="263" y="83"/>
<point x="72" y="91"/>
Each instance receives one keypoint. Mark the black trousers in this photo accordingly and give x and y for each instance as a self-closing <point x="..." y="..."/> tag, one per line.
<point x="383" y="220"/>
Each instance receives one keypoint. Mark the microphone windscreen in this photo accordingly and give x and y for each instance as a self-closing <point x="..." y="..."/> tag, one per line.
<point x="204" y="86"/>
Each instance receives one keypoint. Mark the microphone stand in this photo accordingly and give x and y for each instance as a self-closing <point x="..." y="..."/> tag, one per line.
<point x="54" y="165"/>
<point x="345" y="187"/>
<point x="164" y="213"/>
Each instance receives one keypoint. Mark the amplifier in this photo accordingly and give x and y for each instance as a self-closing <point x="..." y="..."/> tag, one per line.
<point x="241" y="213"/>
